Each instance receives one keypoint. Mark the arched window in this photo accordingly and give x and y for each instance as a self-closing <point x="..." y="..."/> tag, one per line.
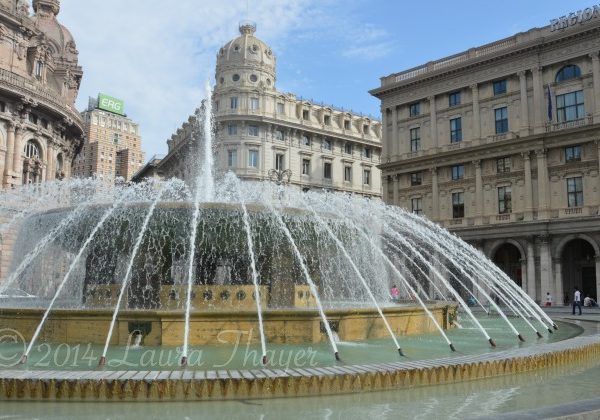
<point x="32" y="150"/>
<point x="568" y="72"/>
<point x="59" y="162"/>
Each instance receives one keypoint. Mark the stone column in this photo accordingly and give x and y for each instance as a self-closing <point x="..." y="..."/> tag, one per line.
<point x="524" y="103"/>
<point x="597" y="259"/>
<point x="546" y="283"/>
<point x="596" y="79"/>
<point x="538" y="101"/>
<point x="531" y="289"/>
<point x="528" y="187"/>
<point x="476" y="118"/>
<point x="433" y="123"/>
<point x="386" y="152"/>
<point x="49" y="163"/>
<point x="395" y="147"/>
<point x="396" y="183"/>
<point x="559" y="297"/>
<point x="542" y="172"/>
<point x="385" y="188"/>
<point x="524" y="276"/>
<point x="17" y="162"/>
<point x="10" y="147"/>
<point x="435" y="195"/>
<point x="478" y="192"/>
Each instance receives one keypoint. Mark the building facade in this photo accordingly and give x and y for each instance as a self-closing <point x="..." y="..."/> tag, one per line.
<point x="260" y="130"/>
<point x="501" y="145"/>
<point x="113" y="145"/>
<point x="40" y="129"/>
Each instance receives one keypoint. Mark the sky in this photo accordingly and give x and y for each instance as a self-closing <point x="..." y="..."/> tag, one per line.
<point x="157" y="55"/>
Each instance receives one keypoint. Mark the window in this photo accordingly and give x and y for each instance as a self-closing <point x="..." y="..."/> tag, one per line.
<point x="233" y="102"/>
<point x="253" y="78"/>
<point x="500" y="87"/>
<point x="454" y="98"/>
<point x="279" y="162"/>
<point x="279" y="135"/>
<point x="305" y="140"/>
<point x="417" y="205"/>
<point x="568" y="72"/>
<point x="305" y="114"/>
<point x="572" y="153"/>
<point x="367" y="177"/>
<point x="254" y="103"/>
<point x="575" y="191"/>
<point x="455" y="130"/>
<point x="327" y="120"/>
<point x="346" y="124"/>
<point x="414" y="109"/>
<point x="31" y="150"/>
<point x="33" y="118"/>
<point x="116" y="138"/>
<point x="253" y="130"/>
<point x="44" y="123"/>
<point x="570" y="107"/>
<point x="280" y="108"/>
<point x="305" y="166"/>
<point x="415" y="139"/>
<point x="504" y="200"/>
<point x="232" y="129"/>
<point x="327" y="144"/>
<point x="2" y="106"/>
<point x="458" y="205"/>
<point x="348" y="148"/>
<point x="368" y="152"/>
<point x="416" y="178"/>
<point x="39" y="66"/>
<point x="503" y="165"/>
<point x="253" y="158"/>
<point x="235" y="77"/>
<point x="458" y="172"/>
<point x="365" y="129"/>
<point x="327" y="170"/>
<point x="232" y="158"/>
<point x="348" y="173"/>
<point x="501" y="118"/>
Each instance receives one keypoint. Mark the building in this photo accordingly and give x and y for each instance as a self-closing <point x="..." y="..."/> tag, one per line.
<point x="113" y="146"/>
<point x="40" y="129"/>
<point x="260" y="130"/>
<point x="501" y="145"/>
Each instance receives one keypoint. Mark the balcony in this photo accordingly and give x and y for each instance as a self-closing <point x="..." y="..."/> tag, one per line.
<point x="581" y="122"/>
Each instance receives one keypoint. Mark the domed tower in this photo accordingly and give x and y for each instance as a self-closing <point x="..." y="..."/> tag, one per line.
<point x="245" y="63"/>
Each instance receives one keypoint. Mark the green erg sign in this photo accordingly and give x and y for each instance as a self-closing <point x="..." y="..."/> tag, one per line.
<point x="110" y="104"/>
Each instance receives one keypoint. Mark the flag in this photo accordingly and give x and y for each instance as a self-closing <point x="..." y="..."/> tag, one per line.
<point x="549" y="104"/>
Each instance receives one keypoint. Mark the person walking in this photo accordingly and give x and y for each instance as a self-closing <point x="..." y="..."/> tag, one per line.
<point x="577" y="301"/>
<point x="395" y="293"/>
<point x="548" y="299"/>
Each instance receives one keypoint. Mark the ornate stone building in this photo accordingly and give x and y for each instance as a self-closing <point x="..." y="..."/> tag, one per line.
<point x="500" y="144"/>
<point x="260" y="129"/>
<point x="40" y="129"/>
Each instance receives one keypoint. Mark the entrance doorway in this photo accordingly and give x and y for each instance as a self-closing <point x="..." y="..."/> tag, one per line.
<point x="579" y="268"/>
<point x="508" y="259"/>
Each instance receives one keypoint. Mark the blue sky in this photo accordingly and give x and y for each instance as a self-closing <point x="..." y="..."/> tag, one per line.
<point x="157" y="58"/>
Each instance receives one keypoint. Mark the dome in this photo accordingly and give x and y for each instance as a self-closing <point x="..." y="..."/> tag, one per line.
<point x="57" y="34"/>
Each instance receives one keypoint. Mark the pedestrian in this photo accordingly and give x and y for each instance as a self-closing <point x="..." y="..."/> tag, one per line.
<point x="577" y="300"/>
<point x="395" y="293"/>
<point x="548" y="299"/>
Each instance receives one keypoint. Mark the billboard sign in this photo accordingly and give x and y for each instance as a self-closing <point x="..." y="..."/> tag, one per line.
<point x="110" y="104"/>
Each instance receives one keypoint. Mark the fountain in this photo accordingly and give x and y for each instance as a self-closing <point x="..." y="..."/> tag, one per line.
<point x="170" y="271"/>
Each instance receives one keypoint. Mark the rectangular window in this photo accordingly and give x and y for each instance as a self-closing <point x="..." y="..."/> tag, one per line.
<point x="253" y="103"/>
<point x="570" y="107"/>
<point x="327" y="144"/>
<point x="454" y="98"/>
<point x="415" y="139"/>
<point x="501" y="118"/>
<point x="280" y="108"/>
<point x="348" y="148"/>
<point x="499" y="87"/>
<point x="305" y="167"/>
<point x="306" y="140"/>
<point x="575" y="191"/>
<point x="346" y="124"/>
<point x="572" y="153"/>
<point x="305" y="114"/>
<point x="368" y="152"/>
<point x="38" y="69"/>
<point x="367" y="177"/>
<point x="232" y="158"/>
<point x="503" y="165"/>
<point x="504" y="200"/>
<point x="417" y="205"/>
<point x="253" y="158"/>
<point x="327" y="170"/>
<point x="327" y="119"/>
<point x="458" y="172"/>
<point x="455" y="130"/>
<point x="458" y="205"/>
<point x="414" y="109"/>
<point x="416" y="178"/>
<point x="348" y="173"/>
<point x="232" y="129"/>
<point x="253" y="130"/>
<point x="233" y="102"/>
<point x="279" y="162"/>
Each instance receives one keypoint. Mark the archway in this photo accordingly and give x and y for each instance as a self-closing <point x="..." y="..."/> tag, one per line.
<point x="578" y="268"/>
<point x="508" y="258"/>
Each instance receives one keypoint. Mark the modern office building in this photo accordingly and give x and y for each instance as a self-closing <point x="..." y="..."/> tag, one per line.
<point x="113" y="146"/>
<point x="501" y="145"/>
